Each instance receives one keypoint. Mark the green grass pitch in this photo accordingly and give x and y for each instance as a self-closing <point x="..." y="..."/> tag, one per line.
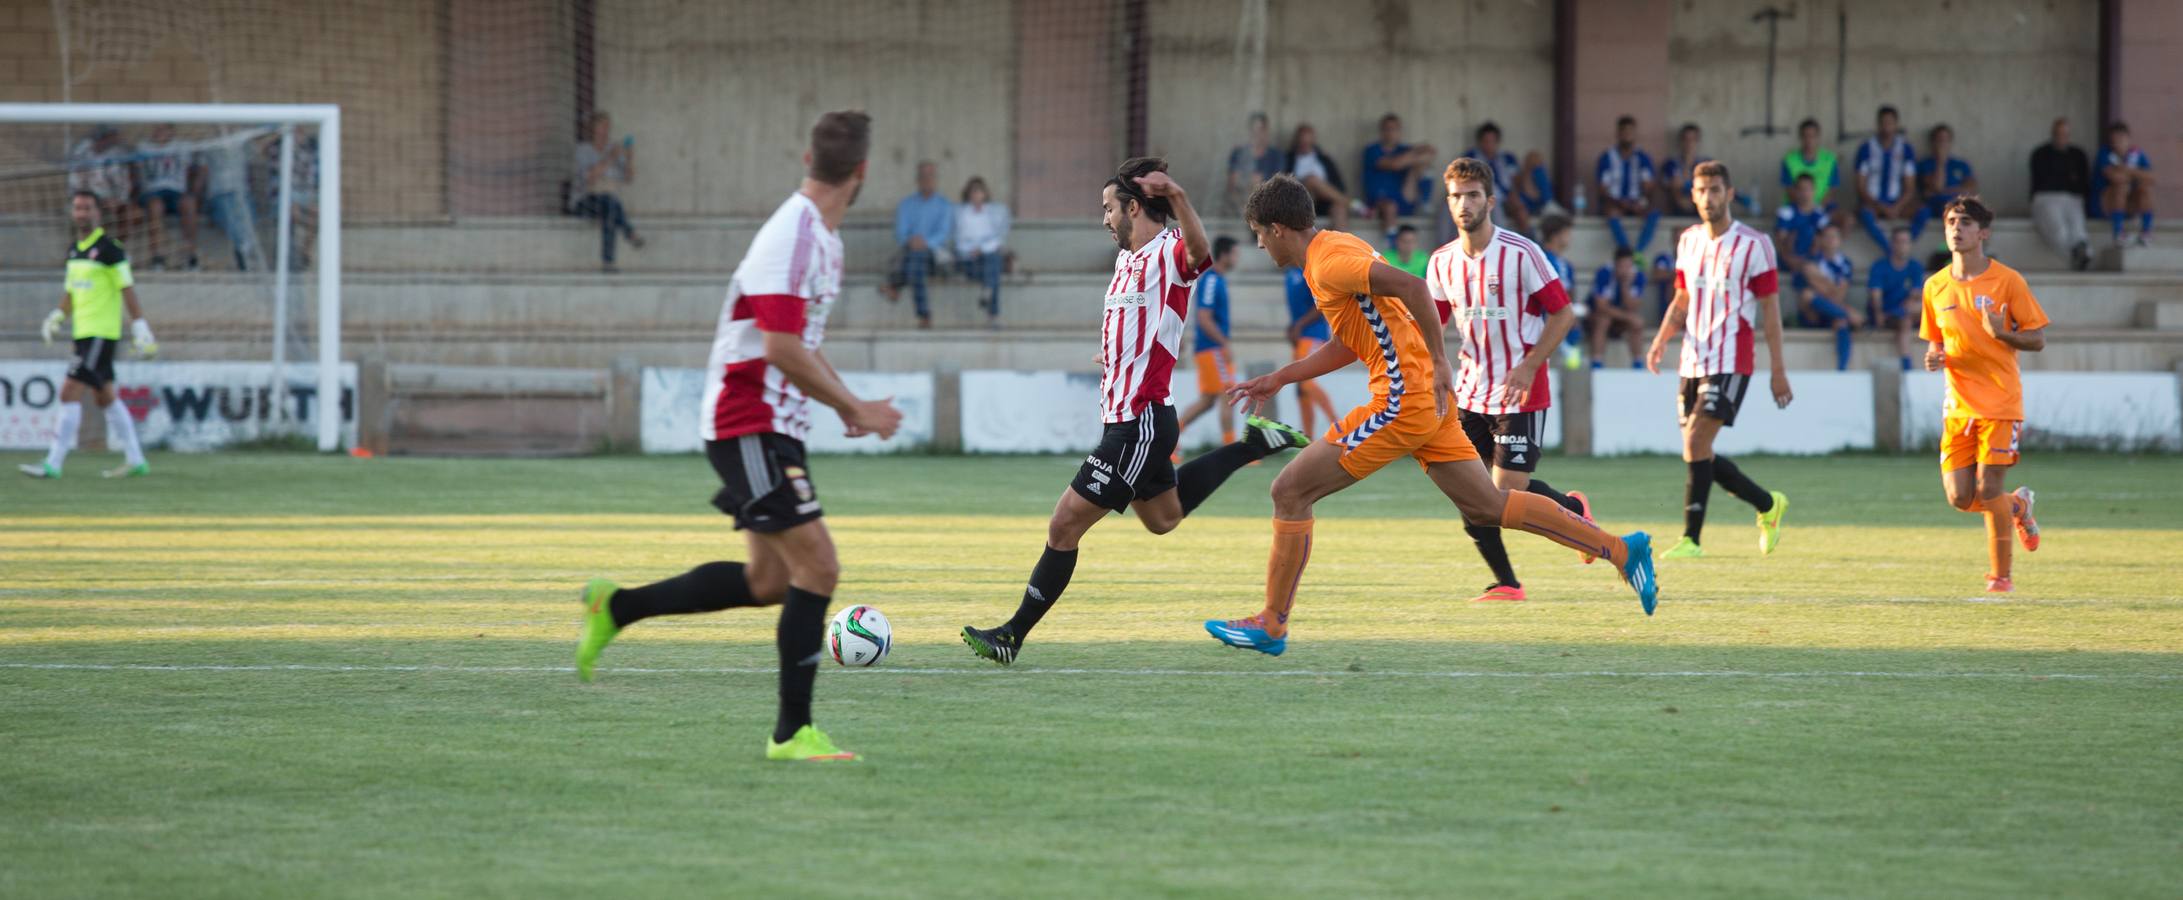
<point x="272" y="675"/>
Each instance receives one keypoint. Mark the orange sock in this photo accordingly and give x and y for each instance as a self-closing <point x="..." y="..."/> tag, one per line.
<point x="1227" y="436"/>
<point x="1530" y="512"/>
<point x="1284" y="569"/>
<point x="2000" y="538"/>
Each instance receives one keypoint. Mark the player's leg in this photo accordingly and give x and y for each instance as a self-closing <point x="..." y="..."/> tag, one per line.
<point x="91" y="371"/>
<point x="1103" y="483"/>
<point x="190" y="212"/>
<point x="1315" y="473"/>
<point x="1167" y="493"/>
<point x="2141" y="203"/>
<point x="1699" y="431"/>
<point x="120" y="427"/>
<point x="1481" y="429"/>
<point x="813" y="572"/>
<point x="1465" y="482"/>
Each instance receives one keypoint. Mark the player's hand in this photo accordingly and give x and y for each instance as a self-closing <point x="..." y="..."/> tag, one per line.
<point x="1248" y="396"/>
<point x="917" y="242"/>
<point x="1517" y="389"/>
<point x="1158" y="184"/>
<point x="52" y="325"/>
<point x="1935" y="359"/>
<point x="1443" y="389"/>
<point x="1781" y="389"/>
<point x="1653" y="354"/>
<point x="140" y="334"/>
<point x="1995" y="318"/>
<point x="873" y="417"/>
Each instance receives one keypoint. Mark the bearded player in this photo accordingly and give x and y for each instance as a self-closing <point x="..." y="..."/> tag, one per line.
<point x="1978" y="315"/>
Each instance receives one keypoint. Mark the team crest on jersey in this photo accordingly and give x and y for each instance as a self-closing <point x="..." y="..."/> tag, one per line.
<point x="1493" y="284"/>
<point x="800" y="481"/>
<point x="1983" y="302"/>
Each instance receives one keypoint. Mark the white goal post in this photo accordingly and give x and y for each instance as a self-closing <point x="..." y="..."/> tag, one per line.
<point x="326" y="118"/>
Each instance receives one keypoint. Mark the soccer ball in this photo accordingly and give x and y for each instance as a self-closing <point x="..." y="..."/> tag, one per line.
<point x="860" y="636"/>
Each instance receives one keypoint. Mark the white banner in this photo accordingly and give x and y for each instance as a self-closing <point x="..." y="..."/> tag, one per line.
<point x="1635" y="412"/>
<point x="187" y="406"/>
<point x="2126" y="409"/>
<point x="672" y="399"/>
<point x="1006" y="411"/>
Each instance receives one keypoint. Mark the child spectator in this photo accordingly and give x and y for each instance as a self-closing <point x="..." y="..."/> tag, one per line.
<point x="1824" y="298"/>
<point x="2126" y="183"/>
<point x="1896" y="289"/>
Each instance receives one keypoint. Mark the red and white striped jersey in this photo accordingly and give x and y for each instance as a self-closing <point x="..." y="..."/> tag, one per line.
<point x="1140" y="333"/>
<point x="1725" y="277"/>
<point x="1497" y="304"/>
<point x="786" y="283"/>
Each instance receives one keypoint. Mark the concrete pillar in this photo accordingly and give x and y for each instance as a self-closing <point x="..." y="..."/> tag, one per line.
<point x="2148" y="41"/>
<point x="625" y="405"/>
<point x="374" y="415"/>
<point x="1619" y="66"/>
<point x="1576" y="411"/>
<point x="947" y="410"/>
<point x="1887" y="406"/>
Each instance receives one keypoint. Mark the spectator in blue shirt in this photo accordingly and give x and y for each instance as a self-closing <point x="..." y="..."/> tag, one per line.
<point x="1618" y="309"/>
<point x="1396" y="178"/>
<point x="1675" y="174"/>
<point x="1887" y="171"/>
<point x="1663" y="281"/>
<point x="1536" y="186"/>
<point x="1824" y="299"/>
<point x="1554" y="242"/>
<point x="1507" y="171"/>
<point x="1215" y="357"/>
<point x="1896" y="287"/>
<point x="922" y="222"/>
<point x="1308" y="332"/>
<point x="1942" y="177"/>
<point x="2125" y="183"/>
<point x="1797" y="225"/>
<point x="1625" y="186"/>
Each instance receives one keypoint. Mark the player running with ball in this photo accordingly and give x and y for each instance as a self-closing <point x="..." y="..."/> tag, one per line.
<point x="1978" y="314"/>
<point x="1383" y="317"/>
<point x="765" y="371"/>
<point x="1140" y="335"/>
<point x="98" y="288"/>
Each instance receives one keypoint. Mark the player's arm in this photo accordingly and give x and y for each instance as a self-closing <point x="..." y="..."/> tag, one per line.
<point x="2031" y="340"/>
<point x="54" y="319"/>
<point x="1388" y="281"/>
<point x="1158" y="184"/>
<point x="813" y="375"/>
<point x="1517" y="391"/>
<point x="1670" y="323"/>
<point x="1936" y="356"/>
<point x="1770" y="317"/>
<point x="1330" y="357"/>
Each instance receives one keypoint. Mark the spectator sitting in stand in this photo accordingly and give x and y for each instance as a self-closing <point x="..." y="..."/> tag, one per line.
<point x="2061" y="180"/>
<point x="2126" y="183"/>
<point x="1896" y="286"/>
<point x="1507" y="172"/>
<point x="1396" y="182"/>
<point x="1618" y="309"/>
<point x="921" y="225"/>
<point x="1887" y="171"/>
<point x="1797" y="225"/>
<point x="1942" y="177"/>
<point x="1329" y="194"/>
<point x="1250" y="163"/>
<point x="1407" y="255"/>
<point x="981" y="236"/>
<point x="602" y="168"/>
<point x="1625" y="186"/>
<point x="163" y="175"/>
<point x="1823" y="301"/>
<point x="1554" y="242"/>
<point x="1809" y="158"/>
<point x="99" y="165"/>
<point x="1675" y="175"/>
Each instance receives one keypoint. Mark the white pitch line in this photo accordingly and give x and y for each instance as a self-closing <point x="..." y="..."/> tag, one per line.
<point x="1117" y="673"/>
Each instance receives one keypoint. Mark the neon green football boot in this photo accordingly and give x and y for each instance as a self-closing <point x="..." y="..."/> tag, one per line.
<point x="1684" y="549"/>
<point x="599" y="628"/>
<point x="126" y="470"/>
<point x="1770" y="523"/>
<point x="808" y="744"/>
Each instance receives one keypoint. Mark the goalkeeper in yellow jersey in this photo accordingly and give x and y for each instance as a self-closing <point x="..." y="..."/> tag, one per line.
<point x="98" y="289"/>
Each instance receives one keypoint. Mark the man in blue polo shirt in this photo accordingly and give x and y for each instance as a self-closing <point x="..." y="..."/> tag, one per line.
<point x="1396" y="180"/>
<point x="1887" y="171"/>
<point x="1625" y="176"/>
<point x="1892" y="284"/>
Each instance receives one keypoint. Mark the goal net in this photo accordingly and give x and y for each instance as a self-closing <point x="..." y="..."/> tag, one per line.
<point x="226" y="220"/>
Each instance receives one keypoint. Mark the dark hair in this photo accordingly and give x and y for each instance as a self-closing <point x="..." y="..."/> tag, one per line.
<point x="1626" y="120"/>
<point x="72" y="195"/>
<point x="1280" y="200"/>
<point x="1258" y="118"/>
<point x="1622" y="253"/>
<point x="1886" y="110"/>
<point x="1551" y="226"/>
<point x="1892" y="232"/>
<point x="1971" y="207"/>
<point x="1933" y="133"/>
<point x="1390" y="117"/>
<point x="1831" y="225"/>
<point x="1464" y="168"/>
<point x="839" y="144"/>
<point x="1689" y="127"/>
<point x="1126" y="189"/>
<point x="1812" y="124"/>
<point x="1712" y="168"/>
<point x="1485" y="129"/>
<point x="1223" y="244"/>
<point x="1802" y="177"/>
<point x="1297" y="134"/>
<point x="976" y="181"/>
<point x="1405" y="229"/>
<point x="2118" y="126"/>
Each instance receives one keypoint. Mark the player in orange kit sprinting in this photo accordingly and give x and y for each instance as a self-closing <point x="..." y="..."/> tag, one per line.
<point x="1978" y="314"/>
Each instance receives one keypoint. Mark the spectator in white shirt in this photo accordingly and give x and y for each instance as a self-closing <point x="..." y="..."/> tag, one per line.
<point x="163" y="178"/>
<point x="981" y="240"/>
<point x="602" y="167"/>
<point x="1319" y="175"/>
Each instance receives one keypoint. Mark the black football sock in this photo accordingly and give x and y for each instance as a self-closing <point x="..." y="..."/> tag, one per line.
<point x="1198" y="478"/>
<point x="1048" y="579"/>
<point x="802" y="630"/>
<point x="1488" y="539"/>
<point x="1695" y="493"/>
<point x="1543" y="489"/>
<point x="1740" y="484"/>
<point x="712" y="586"/>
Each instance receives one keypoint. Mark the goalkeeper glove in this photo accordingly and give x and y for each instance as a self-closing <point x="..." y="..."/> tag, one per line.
<point x="52" y="325"/>
<point x="141" y="332"/>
